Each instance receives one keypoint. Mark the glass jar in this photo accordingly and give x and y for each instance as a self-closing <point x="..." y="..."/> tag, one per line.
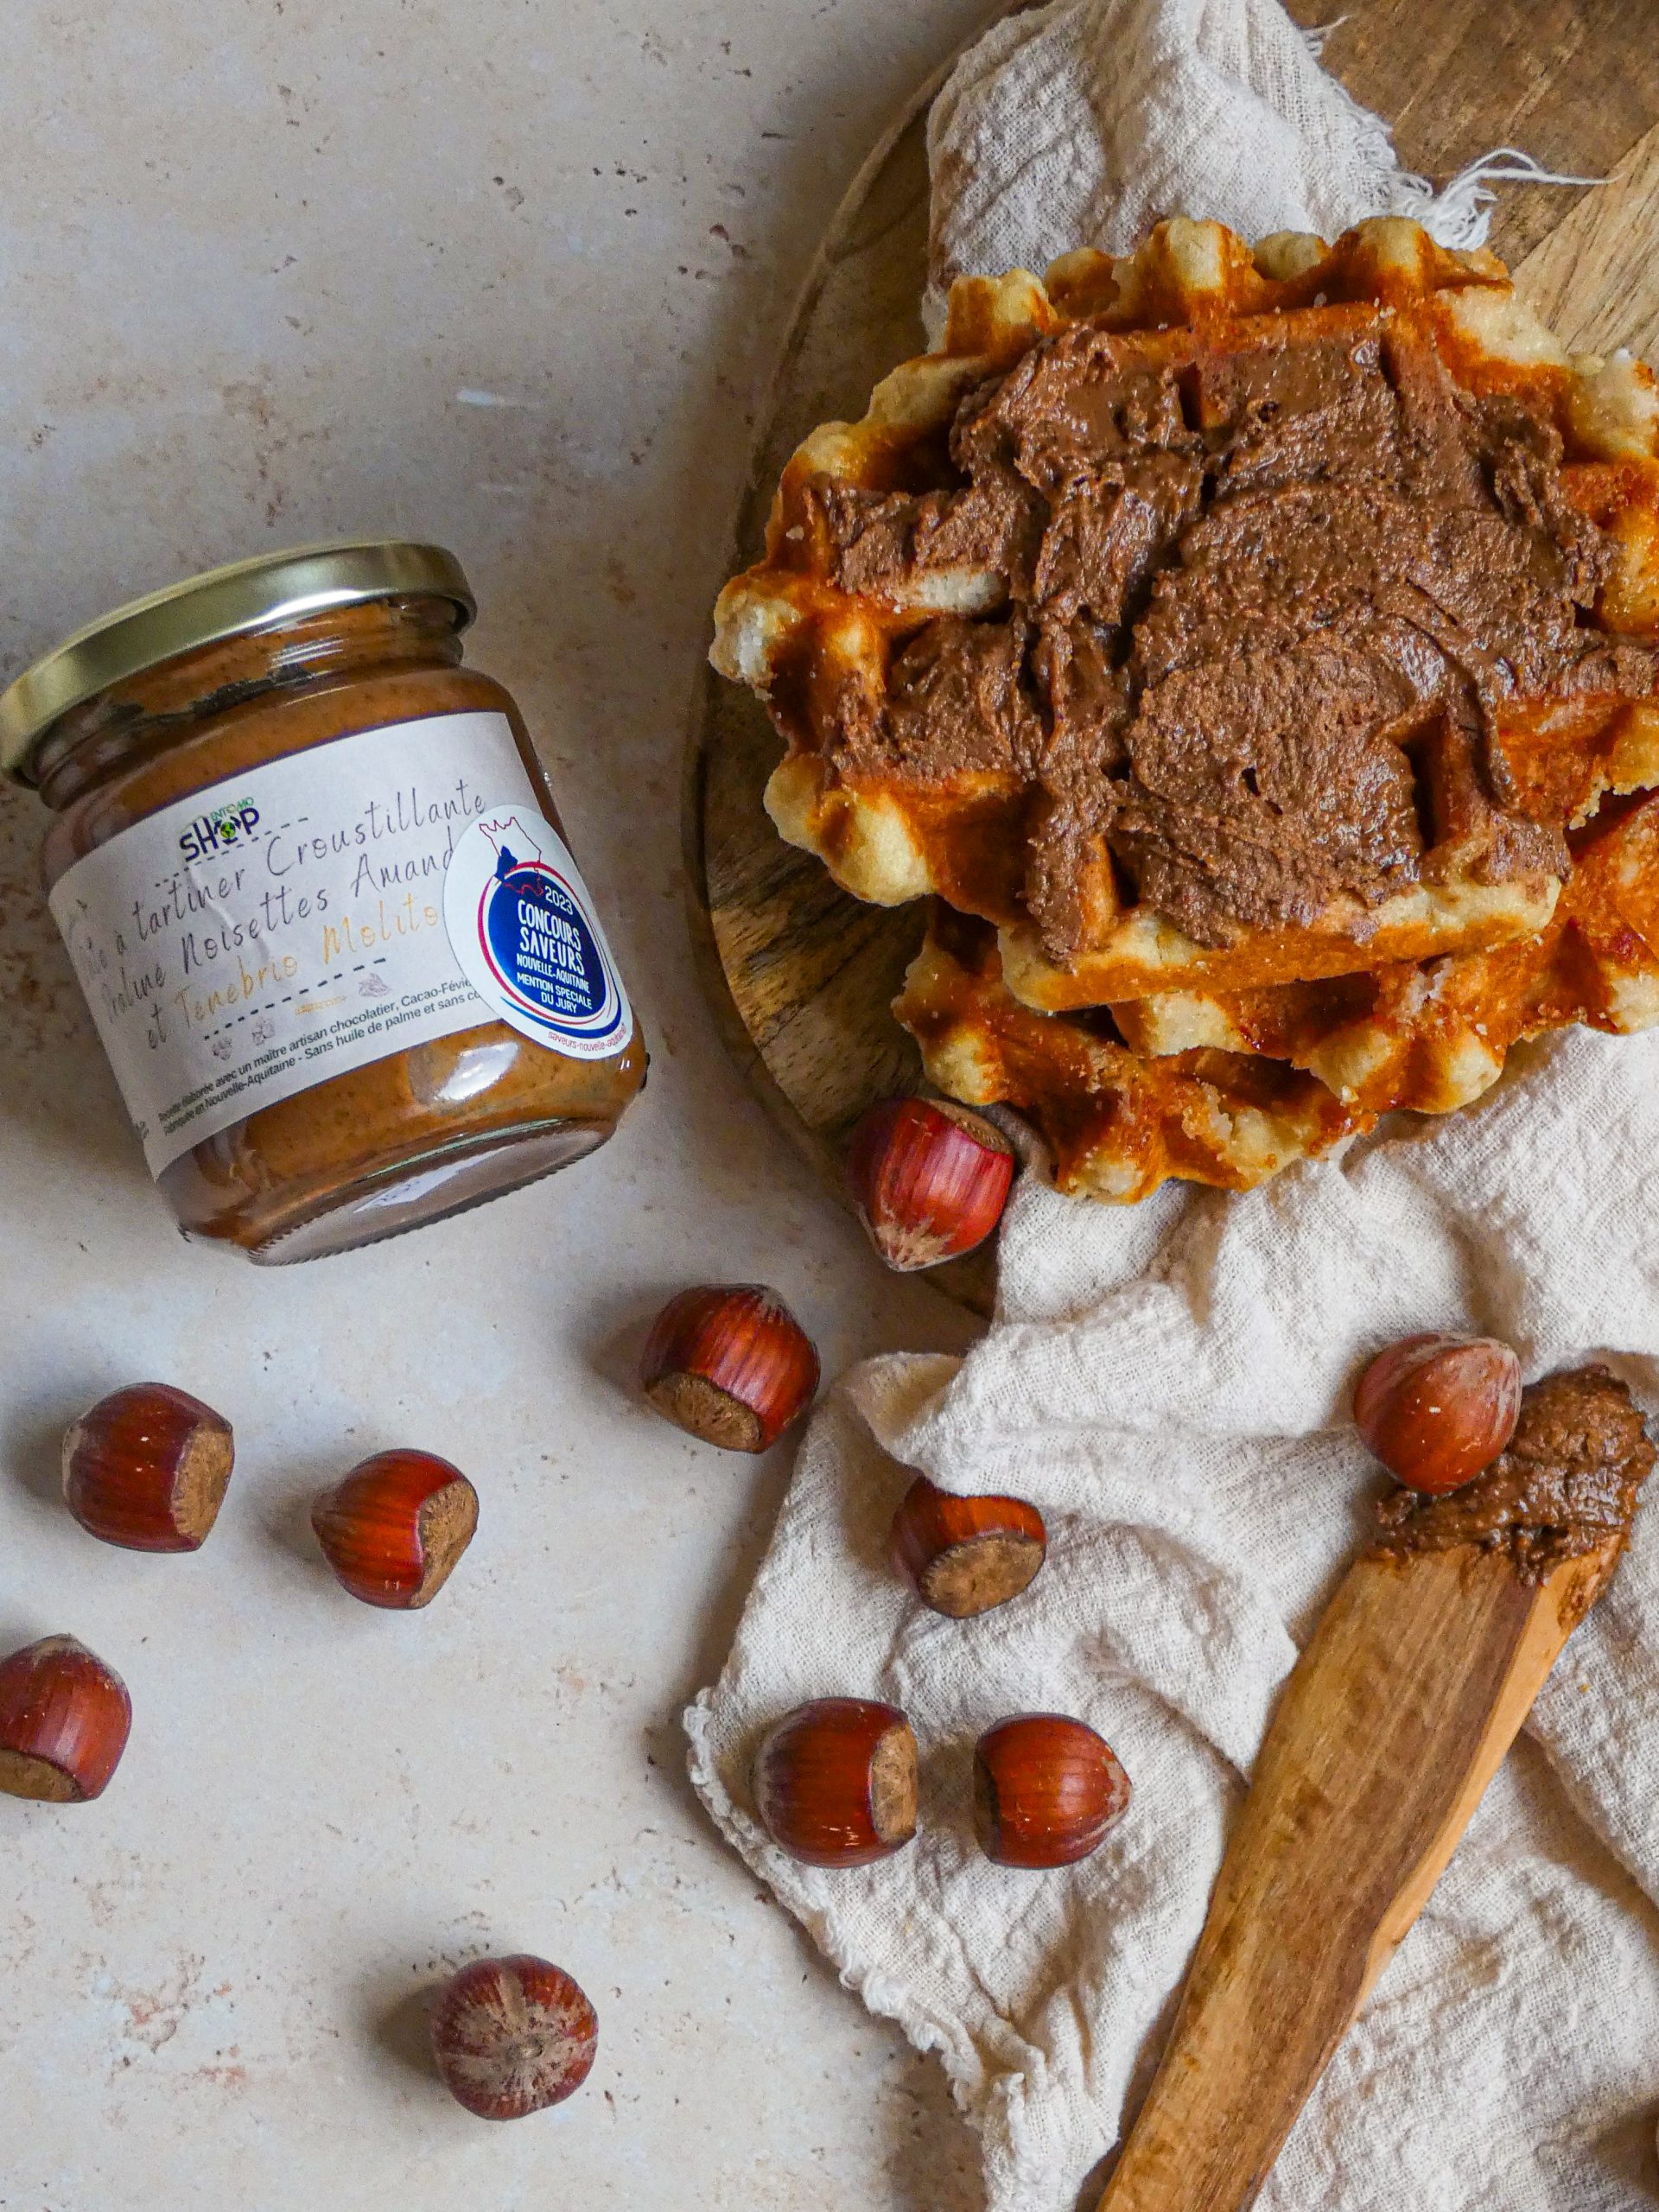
<point x="318" y="896"/>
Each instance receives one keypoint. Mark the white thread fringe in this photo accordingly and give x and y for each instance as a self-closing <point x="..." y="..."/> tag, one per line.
<point x="1459" y="215"/>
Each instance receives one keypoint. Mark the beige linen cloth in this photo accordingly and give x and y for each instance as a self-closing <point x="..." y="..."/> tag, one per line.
<point x="1169" y="1383"/>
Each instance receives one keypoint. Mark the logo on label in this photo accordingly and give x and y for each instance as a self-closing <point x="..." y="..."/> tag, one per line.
<point x="213" y="832"/>
<point x="522" y="928"/>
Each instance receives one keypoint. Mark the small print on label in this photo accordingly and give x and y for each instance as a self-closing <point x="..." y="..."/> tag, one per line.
<point x="523" y="928"/>
<point x="267" y="933"/>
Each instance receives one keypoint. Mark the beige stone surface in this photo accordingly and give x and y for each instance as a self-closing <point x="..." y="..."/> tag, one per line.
<point x="509" y="276"/>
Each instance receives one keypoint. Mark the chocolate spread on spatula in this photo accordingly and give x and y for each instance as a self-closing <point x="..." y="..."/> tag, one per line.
<point x="1566" y="1484"/>
<point x="1236" y="601"/>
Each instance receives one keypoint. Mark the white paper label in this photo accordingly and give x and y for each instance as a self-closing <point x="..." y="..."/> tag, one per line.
<point x="287" y="926"/>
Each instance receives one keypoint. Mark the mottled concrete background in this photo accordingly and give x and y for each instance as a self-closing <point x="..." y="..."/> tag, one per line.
<point x="509" y="275"/>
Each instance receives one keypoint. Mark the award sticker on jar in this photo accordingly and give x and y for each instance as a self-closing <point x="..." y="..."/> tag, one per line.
<point x="523" y="928"/>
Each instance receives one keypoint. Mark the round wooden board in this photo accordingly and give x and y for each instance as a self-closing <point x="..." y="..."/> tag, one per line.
<point x="800" y="976"/>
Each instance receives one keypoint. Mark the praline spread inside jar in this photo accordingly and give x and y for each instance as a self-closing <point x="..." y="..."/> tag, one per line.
<point x="316" y="891"/>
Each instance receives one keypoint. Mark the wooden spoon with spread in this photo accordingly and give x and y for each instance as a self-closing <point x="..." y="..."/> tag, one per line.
<point x="1422" y="1668"/>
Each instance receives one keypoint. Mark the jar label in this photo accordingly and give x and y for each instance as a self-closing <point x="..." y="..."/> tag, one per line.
<point x="524" y="931"/>
<point x="288" y="924"/>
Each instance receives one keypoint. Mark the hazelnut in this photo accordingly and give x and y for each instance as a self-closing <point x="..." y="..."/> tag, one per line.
<point x="1045" y="1791"/>
<point x="393" y="1529"/>
<point x="64" y="1720"/>
<point x="835" y="1781"/>
<point x="731" y="1364"/>
<point x="929" y="1178"/>
<point x="147" y="1469"/>
<point x="963" y="1555"/>
<point x="512" y="2036"/>
<point x="1437" y="1410"/>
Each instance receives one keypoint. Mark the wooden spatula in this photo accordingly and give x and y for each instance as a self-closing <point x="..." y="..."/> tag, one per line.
<point x="1423" y="1668"/>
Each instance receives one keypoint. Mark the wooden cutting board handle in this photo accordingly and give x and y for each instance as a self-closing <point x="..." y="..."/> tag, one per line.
<point x="1415" y="1683"/>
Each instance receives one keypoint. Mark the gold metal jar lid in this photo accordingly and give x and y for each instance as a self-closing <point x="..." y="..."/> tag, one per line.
<point x="249" y="595"/>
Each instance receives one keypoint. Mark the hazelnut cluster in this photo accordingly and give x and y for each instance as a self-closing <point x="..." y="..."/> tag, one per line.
<point x="835" y="1780"/>
<point x="147" y="1469"/>
<point x="731" y="1364"/>
<point x="835" y="1784"/>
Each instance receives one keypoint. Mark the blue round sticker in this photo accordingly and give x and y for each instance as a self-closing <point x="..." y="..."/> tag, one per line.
<point x="526" y="938"/>
<point x="540" y="945"/>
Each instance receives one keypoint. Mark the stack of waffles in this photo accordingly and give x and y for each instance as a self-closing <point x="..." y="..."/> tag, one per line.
<point x="1250" y="653"/>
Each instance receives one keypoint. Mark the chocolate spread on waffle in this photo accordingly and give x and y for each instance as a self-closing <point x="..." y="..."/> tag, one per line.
<point x="1568" y="1483"/>
<point x="1254" y="611"/>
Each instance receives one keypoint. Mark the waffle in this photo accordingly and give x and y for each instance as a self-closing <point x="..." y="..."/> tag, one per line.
<point x="924" y="565"/>
<point x="1116" y="1123"/>
<point x="1230" y="1091"/>
<point x="1435" y="1035"/>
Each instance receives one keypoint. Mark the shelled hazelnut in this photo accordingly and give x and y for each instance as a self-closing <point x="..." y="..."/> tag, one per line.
<point x="512" y="2036"/>
<point x="64" y="1722"/>
<point x="1045" y="1791"/>
<point x="394" y="1528"/>
<point x="929" y="1178"/>
<point x="147" y="1468"/>
<point x="965" y="1555"/>
<point x="1437" y="1410"/>
<point x="835" y="1781"/>
<point x="730" y="1364"/>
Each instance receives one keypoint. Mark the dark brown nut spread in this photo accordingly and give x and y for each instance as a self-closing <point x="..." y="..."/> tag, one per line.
<point x="1251" y="602"/>
<point x="318" y="895"/>
<point x="1567" y="1484"/>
